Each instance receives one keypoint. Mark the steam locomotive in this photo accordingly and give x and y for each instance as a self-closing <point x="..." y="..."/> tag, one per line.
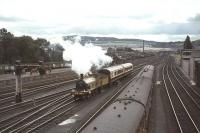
<point x="106" y="76"/>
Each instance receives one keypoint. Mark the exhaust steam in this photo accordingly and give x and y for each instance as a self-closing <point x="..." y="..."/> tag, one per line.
<point x="84" y="57"/>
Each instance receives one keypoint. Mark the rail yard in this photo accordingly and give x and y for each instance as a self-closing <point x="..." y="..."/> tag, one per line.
<point x="99" y="66"/>
<point x="145" y="94"/>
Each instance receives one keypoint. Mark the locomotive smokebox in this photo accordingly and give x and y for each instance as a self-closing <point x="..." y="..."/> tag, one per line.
<point x="81" y="76"/>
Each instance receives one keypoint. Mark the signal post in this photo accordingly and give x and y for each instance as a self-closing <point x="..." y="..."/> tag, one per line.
<point x="18" y="72"/>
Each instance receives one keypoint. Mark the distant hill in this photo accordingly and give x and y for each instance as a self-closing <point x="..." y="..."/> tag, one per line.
<point x="129" y="42"/>
<point x="88" y="39"/>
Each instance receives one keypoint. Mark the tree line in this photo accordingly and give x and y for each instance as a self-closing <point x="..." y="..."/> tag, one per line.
<point x="27" y="49"/>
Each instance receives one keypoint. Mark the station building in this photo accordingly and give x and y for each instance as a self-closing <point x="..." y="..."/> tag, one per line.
<point x="190" y="63"/>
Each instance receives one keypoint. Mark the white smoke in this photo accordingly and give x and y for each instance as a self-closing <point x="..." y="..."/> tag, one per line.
<point x="84" y="56"/>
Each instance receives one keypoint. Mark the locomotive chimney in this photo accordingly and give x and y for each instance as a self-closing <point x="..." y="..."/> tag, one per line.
<point x="81" y="76"/>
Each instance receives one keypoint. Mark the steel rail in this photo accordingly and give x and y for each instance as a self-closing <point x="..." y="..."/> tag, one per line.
<point x="170" y="100"/>
<point x="32" y="114"/>
<point x="194" y="91"/>
<point x="195" y="102"/>
<point x="56" y="108"/>
<point x="183" y="105"/>
<point x="25" y="103"/>
<point x="37" y="89"/>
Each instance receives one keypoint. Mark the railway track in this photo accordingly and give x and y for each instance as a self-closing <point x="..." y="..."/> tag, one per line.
<point x="38" y="117"/>
<point x="27" y="94"/>
<point x="33" y="107"/>
<point x="31" y="120"/>
<point x="28" y="90"/>
<point x="24" y="106"/>
<point x="189" y="90"/>
<point x="181" y="76"/>
<point x="29" y="83"/>
<point x="27" y="86"/>
<point x="184" y="107"/>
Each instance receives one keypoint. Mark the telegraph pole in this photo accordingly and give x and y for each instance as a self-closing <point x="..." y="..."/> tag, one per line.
<point x="143" y="47"/>
<point x="18" y="72"/>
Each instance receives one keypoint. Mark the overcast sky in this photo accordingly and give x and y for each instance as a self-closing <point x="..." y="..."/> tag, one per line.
<point x="160" y="20"/>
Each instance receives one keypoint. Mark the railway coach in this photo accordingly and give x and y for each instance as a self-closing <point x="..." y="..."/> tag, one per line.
<point x="116" y="72"/>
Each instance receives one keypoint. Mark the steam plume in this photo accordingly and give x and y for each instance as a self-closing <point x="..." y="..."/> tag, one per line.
<point x="84" y="56"/>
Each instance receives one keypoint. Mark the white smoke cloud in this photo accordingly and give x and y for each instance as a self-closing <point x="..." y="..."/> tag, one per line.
<point x="84" y="56"/>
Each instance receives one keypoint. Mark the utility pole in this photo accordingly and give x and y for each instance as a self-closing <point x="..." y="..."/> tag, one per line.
<point x="18" y="72"/>
<point x="143" y="47"/>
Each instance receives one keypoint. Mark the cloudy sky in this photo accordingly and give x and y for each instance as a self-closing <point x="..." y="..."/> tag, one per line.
<point x="160" y="20"/>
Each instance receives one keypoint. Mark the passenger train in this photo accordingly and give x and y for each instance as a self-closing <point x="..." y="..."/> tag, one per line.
<point x="106" y="76"/>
